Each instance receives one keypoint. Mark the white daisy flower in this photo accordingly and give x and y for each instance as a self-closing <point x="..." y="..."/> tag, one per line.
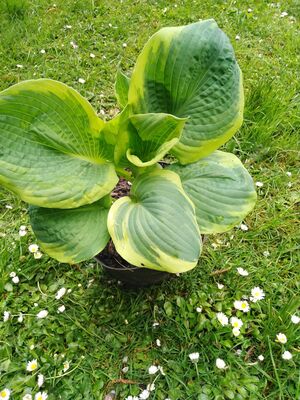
<point x="259" y="184"/>
<point x="220" y="363"/>
<point x="60" y="293"/>
<point x="295" y="319"/>
<point x="61" y="309"/>
<point x="42" y="314"/>
<point x="5" y="394"/>
<point x="220" y="286"/>
<point x="257" y="294"/>
<point x="74" y="45"/>
<point x="20" y="317"/>
<point x="261" y="357"/>
<point x="125" y="370"/>
<point x="68" y="26"/>
<point x="19" y="66"/>
<point x="92" y="55"/>
<point x="43" y="51"/>
<point x="12" y="274"/>
<point x="236" y="332"/>
<point x="287" y="355"/>
<point x="40" y="380"/>
<point x="158" y="343"/>
<point x="32" y="365"/>
<point x="155" y="324"/>
<point x="241" y="305"/>
<point x="236" y="322"/>
<point x="6" y="316"/>
<point x="266" y="253"/>
<point x="151" y="387"/>
<point x="242" y="271"/>
<point x="81" y="80"/>
<point x="284" y="14"/>
<point x="15" y="279"/>
<point x="33" y="248"/>
<point x="144" y="395"/>
<point x="281" y="338"/>
<point x="222" y="318"/>
<point x="161" y="370"/>
<point x="244" y="227"/>
<point x="41" y="396"/>
<point x="22" y="232"/>
<point x="194" y="357"/>
<point x="31" y="347"/>
<point x="152" y="370"/>
<point x="37" y="255"/>
<point x="27" y="397"/>
<point x="289" y="173"/>
<point x="124" y="45"/>
<point x="66" y="366"/>
<point x="199" y="309"/>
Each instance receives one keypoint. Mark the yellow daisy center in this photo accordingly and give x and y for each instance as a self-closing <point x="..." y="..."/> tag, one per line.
<point x="243" y="305"/>
<point x="33" y="366"/>
<point x="236" y="324"/>
<point x="40" y="397"/>
<point x="3" y="394"/>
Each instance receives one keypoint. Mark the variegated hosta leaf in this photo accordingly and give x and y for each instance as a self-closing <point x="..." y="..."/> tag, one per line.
<point x="220" y="188"/>
<point x="191" y="71"/>
<point x="152" y="136"/>
<point x="72" y="235"/>
<point x="145" y="138"/>
<point x="52" y="151"/>
<point x="121" y="88"/>
<point x="156" y="227"/>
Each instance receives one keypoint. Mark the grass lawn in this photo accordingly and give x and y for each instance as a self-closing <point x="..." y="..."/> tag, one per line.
<point x="107" y="337"/>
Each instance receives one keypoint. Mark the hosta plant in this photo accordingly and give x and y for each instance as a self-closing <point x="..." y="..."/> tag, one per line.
<point x="184" y="98"/>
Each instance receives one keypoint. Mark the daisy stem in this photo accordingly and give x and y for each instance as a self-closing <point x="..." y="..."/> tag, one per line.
<point x="197" y="370"/>
<point x="275" y="369"/>
<point x="157" y="376"/>
<point x="64" y="374"/>
<point x="20" y="247"/>
<point x="44" y="294"/>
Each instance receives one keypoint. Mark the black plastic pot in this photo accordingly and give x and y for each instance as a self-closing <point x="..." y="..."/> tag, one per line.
<point x="130" y="275"/>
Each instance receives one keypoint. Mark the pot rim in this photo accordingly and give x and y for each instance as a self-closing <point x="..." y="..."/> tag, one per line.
<point x="123" y="267"/>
